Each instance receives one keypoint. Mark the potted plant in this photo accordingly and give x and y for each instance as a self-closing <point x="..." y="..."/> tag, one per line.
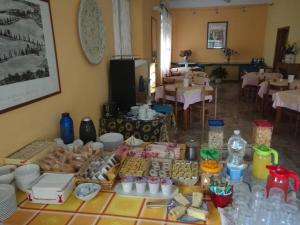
<point x="228" y="52"/>
<point x="291" y="51"/>
<point x="218" y="74"/>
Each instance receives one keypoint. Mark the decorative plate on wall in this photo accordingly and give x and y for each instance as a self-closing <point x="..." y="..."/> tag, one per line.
<point x="91" y="30"/>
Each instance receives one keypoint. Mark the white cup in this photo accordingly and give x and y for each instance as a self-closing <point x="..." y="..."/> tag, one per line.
<point x="291" y="78"/>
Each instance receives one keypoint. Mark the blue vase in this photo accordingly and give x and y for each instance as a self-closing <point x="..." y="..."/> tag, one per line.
<point x="66" y="128"/>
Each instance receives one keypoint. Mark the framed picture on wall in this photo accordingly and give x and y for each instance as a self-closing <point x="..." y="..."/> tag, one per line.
<point x="28" y="65"/>
<point x="216" y="34"/>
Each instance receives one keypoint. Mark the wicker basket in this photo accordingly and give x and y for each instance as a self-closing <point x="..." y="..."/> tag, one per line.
<point x="105" y="184"/>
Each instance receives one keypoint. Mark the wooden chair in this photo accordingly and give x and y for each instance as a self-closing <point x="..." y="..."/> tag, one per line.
<point x="173" y="94"/>
<point x="267" y="98"/>
<point x="258" y="98"/>
<point x="168" y="80"/>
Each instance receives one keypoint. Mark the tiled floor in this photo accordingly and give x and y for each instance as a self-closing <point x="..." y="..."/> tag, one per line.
<point x="108" y="208"/>
<point x="239" y="114"/>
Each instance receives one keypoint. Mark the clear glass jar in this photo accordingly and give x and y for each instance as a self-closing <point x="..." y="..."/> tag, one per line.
<point x="262" y="132"/>
<point x="216" y="134"/>
<point x="210" y="169"/>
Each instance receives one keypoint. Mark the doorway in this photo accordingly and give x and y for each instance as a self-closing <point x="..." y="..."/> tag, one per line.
<point x="281" y="40"/>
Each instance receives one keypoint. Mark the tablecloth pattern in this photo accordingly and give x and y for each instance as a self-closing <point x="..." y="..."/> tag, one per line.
<point x="108" y="208"/>
<point x="253" y="78"/>
<point x="287" y="99"/>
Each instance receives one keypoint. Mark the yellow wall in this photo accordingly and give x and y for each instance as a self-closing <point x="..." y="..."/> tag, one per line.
<point x="246" y="32"/>
<point x="282" y="13"/>
<point x="84" y="86"/>
<point x="141" y="26"/>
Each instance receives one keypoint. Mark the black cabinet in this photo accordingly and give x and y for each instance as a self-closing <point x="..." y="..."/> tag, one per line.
<point x="122" y="83"/>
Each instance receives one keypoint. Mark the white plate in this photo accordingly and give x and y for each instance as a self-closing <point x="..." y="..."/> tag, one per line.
<point x="147" y="194"/>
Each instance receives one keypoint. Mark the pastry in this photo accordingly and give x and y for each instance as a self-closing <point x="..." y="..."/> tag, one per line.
<point x="197" y="199"/>
<point x="177" y="212"/>
<point x="197" y="213"/>
<point x="181" y="199"/>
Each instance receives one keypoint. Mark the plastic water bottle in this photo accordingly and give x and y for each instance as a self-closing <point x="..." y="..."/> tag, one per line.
<point x="66" y="128"/>
<point x="236" y="149"/>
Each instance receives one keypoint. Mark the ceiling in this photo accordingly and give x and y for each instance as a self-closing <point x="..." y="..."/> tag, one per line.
<point x="210" y="3"/>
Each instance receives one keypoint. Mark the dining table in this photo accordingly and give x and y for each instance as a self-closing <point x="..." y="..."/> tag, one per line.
<point x="187" y="95"/>
<point x="253" y="78"/>
<point x="263" y="86"/>
<point x="195" y="71"/>
<point x="289" y="99"/>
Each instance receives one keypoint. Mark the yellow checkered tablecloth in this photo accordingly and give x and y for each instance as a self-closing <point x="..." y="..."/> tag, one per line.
<point x="108" y="208"/>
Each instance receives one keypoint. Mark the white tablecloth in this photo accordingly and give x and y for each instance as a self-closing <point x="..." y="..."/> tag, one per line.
<point x="183" y="70"/>
<point x="264" y="86"/>
<point x="253" y="78"/>
<point x="287" y="99"/>
<point x="185" y="95"/>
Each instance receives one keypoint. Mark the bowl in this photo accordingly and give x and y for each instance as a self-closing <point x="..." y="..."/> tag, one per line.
<point x="111" y="140"/>
<point x="87" y="191"/>
<point x="25" y="175"/>
<point x="7" y="174"/>
<point x="28" y="170"/>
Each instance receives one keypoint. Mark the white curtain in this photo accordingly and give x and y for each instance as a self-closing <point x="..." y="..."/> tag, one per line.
<point x="122" y="27"/>
<point x="165" y="41"/>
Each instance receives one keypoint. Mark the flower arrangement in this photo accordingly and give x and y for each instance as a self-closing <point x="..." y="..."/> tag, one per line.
<point x="292" y="48"/>
<point x="185" y="53"/>
<point x="228" y="52"/>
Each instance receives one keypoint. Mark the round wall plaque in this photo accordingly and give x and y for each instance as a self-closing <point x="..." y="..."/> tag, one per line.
<point x="91" y="30"/>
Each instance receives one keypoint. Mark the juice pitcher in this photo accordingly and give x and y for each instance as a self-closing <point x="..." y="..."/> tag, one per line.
<point x="279" y="177"/>
<point x="261" y="158"/>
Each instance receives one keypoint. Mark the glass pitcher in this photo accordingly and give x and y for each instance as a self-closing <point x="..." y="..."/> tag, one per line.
<point x="279" y="177"/>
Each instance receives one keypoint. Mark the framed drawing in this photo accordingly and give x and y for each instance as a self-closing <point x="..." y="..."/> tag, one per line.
<point x="216" y="34"/>
<point x="28" y="64"/>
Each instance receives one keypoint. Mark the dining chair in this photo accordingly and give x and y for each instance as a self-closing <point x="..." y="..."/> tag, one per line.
<point x="258" y="99"/>
<point x="271" y="89"/>
<point x="168" y="80"/>
<point x="173" y="95"/>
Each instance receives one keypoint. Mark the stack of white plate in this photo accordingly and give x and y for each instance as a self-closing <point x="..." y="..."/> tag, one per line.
<point x="25" y="175"/>
<point x="8" y="202"/>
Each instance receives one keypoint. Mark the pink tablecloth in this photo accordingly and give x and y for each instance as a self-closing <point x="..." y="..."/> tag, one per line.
<point x="287" y="99"/>
<point x="253" y="78"/>
<point x="185" y="95"/>
<point x="264" y="86"/>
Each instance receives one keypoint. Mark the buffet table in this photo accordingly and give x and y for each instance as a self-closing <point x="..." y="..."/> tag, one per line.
<point x="106" y="208"/>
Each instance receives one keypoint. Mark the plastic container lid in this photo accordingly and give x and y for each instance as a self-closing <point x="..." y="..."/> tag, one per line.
<point x="262" y="150"/>
<point x="263" y="123"/>
<point x="209" y="153"/>
<point x="210" y="166"/>
<point x="216" y="123"/>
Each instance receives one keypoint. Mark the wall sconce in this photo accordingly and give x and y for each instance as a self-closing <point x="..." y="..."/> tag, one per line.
<point x="217" y="11"/>
<point x="244" y="9"/>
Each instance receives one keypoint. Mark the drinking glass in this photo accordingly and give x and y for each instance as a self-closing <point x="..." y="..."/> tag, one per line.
<point x="288" y="214"/>
<point x="266" y="215"/>
<point x="245" y="218"/>
<point x="276" y="193"/>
